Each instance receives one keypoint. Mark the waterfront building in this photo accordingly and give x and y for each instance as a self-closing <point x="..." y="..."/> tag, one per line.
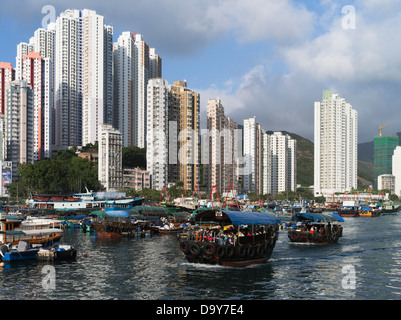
<point x="186" y="156"/>
<point x="336" y="141"/>
<point x="252" y="155"/>
<point x="110" y="157"/>
<point x="7" y="74"/>
<point x="19" y="123"/>
<point x="386" y="182"/>
<point x="220" y="164"/>
<point x="383" y="147"/>
<point x="134" y="64"/>
<point x="157" y="136"/>
<point x="278" y="163"/>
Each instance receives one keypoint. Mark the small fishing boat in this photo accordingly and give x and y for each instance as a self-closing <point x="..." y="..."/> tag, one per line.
<point x="230" y="238"/>
<point x="57" y="252"/>
<point x="319" y="228"/>
<point x="23" y="252"/>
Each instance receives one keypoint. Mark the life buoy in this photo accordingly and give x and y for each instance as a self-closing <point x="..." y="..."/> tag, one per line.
<point x="199" y="236"/>
<point x="194" y="249"/>
<point x="184" y="246"/>
<point x="229" y="251"/>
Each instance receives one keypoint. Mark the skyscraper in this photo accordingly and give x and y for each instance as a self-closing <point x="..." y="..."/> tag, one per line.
<point x="187" y="103"/>
<point x="157" y="136"/>
<point x="38" y="74"/>
<point x="7" y="74"/>
<point x="253" y="155"/>
<point x="19" y="123"/>
<point x="336" y="145"/>
<point x="220" y="167"/>
<point x="134" y="64"/>
<point x="279" y="163"/>
<point x="82" y="90"/>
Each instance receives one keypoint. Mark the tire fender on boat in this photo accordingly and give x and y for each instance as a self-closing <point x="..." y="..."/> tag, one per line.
<point x="194" y="249"/>
<point x="220" y="251"/>
<point x="251" y="251"/>
<point x="229" y="251"/>
<point x="242" y="251"/>
<point x="184" y="246"/>
<point x="260" y="249"/>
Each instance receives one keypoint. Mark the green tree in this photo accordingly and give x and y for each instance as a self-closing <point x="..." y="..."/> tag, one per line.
<point x="134" y="157"/>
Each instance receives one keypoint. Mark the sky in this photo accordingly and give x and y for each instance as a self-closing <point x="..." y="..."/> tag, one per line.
<point x="270" y="59"/>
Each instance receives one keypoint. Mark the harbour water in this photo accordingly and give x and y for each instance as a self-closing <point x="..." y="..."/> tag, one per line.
<point x="364" y="264"/>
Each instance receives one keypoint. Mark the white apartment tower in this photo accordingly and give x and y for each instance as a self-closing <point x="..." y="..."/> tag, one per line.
<point x="336" y="145"/>
<point x="110" y="158"/>
<point x="279" y="163"/>
<point x="252" y="155"/>
<point x="83" y="82"/>
<point x="157" y="126"/>
<point x="134" y="64"/>
<point x="396" y="163"/>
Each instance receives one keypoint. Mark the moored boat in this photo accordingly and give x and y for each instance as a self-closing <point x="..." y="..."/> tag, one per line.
<point x="12" y="232"/>
<point x="57" y="253"/>
<point x="230" y="238"/>
<point x="23" y="252"/>
<point x="319" y="228"/>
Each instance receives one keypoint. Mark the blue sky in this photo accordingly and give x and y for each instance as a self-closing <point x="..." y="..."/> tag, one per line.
<point x="265" y="58"/>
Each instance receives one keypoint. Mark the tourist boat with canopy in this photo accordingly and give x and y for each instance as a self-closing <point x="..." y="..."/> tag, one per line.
<point x="230" y="238"/>
<point x="319" y="228"/>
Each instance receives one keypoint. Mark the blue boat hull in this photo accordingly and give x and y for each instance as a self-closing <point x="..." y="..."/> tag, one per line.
<point x="19" y="256"/>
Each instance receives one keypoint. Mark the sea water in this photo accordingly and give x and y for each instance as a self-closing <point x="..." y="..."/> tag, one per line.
<point x="364" y="264"/>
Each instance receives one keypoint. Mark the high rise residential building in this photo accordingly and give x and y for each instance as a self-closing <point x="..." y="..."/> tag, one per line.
<point x="7" y="74"/>
<point x="96" y="69"/>
<point x="110" y="158"/>
<point x="383" y="148"/>
<point x="187" y="157"/>
<point x="23" y="49"/>
<point x="279" y="163"/>
<point x="252" y="155"/>
<point x="157" y="135"/>
<point x="83" y="82"/>
<point x="220" y="166"/>
<point x="38" y="74"/>
<point x="134" y="64"/>
<point x="68" y="80"/>
<point x="19" y="123"/>
<point x="396" y="170"/>
<point x="336" y="145"/>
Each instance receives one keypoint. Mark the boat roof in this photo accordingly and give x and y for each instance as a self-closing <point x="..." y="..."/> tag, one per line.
<point x="238" y="217"/>
<point x="318" y="217"/>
